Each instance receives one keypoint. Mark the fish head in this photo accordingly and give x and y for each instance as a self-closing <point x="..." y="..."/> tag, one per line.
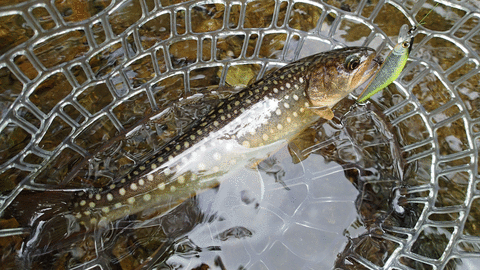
<point x="335" y="74"/>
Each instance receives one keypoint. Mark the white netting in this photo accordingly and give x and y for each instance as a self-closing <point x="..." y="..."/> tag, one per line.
<point x="70" y="69"/>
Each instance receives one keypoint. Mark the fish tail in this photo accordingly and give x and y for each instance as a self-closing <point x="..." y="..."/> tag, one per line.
<point x="48" y="217"/>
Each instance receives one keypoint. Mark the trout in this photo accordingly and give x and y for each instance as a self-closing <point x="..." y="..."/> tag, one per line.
<point x="242" y="129"/>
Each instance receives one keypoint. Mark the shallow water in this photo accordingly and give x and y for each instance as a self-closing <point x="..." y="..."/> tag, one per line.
<point x="88" y="96"/>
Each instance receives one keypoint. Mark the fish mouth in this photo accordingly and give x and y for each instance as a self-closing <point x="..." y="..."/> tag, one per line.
<point x="370" y="67"/>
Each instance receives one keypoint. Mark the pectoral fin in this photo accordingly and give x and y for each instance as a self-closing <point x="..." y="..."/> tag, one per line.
<point x="324" y="112"/>
<point x="299" y="144"/>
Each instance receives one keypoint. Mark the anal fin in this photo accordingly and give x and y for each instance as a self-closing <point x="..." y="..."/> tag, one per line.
<point x="324" y="112"/>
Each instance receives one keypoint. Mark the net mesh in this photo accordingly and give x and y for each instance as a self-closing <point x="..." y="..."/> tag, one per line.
<point x="75" y="75"/>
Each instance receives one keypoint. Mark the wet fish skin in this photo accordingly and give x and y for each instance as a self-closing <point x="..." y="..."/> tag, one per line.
<point x="242" y="129"/>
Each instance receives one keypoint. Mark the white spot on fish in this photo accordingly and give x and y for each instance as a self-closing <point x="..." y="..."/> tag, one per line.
<point x="178" y="147"/>
<point x="279" y="126"/>
<point x="181" y="179"/>
<point x="265" y="137"/>
<point x="87" y="213"/>
<point x="286" y="105"/>
<point x="300" y="80"/>
<point x="131" y="200"/>
<point x="141" y="182"/>
<point x="217" y="156"/>
<point x="186" y="144"/>
<point x="288" y="84"/>
<point x="275" y="90"/>
<point x="122" y="191"/>
<point x="246" y="144"/>
<point x="105" y="209"/>
<point x="147" y="197"/>
<point x="201" y="166"/>
<point x="91" y="204"/>
<point x="154" y="166"/>
<point x="161" y="186"/>
<point x="150" y="177"/>
<point x="173" y="188"/>
<point x="83" y="202"/>
<point x="167" y="171"/>
<point x="289" y="119"/>
<point x="295" y="97"/>
<point x="133" y="186"/>
<point x="278" y="112"/>
<point x="295" y="114"/>
<point x="109" y="197"/>
<point x="78" y="215"/>
<point x="98" y="197"/>
<point x="112" y="186"/>
<point x="118" y="205"/>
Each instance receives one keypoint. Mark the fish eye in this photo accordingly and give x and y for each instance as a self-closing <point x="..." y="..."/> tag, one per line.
<point x="406" y="44"/>
<point x="352" y="62"/>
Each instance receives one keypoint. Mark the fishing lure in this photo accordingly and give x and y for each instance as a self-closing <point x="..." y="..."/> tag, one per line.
<point x="393" y="64"/>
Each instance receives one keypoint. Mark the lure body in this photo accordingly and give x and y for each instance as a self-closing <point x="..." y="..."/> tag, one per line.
<point x="392" y="66"/>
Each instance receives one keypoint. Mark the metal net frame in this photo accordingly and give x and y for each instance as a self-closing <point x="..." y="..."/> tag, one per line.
<point x="108" y="50"/>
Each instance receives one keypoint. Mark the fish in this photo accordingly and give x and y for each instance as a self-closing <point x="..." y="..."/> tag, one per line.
<point x="393" y="64"/>
<point x="241" y="130"/>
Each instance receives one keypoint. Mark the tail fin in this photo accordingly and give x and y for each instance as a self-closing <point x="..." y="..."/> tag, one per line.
<point x="48" y="216"/>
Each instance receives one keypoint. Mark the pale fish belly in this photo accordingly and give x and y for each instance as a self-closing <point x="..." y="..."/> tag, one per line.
<point x="240" y="131"/>
<point x="251" y="137"/>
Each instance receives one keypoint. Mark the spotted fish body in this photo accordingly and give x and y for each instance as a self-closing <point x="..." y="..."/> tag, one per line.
<point x="244" y="128"/>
